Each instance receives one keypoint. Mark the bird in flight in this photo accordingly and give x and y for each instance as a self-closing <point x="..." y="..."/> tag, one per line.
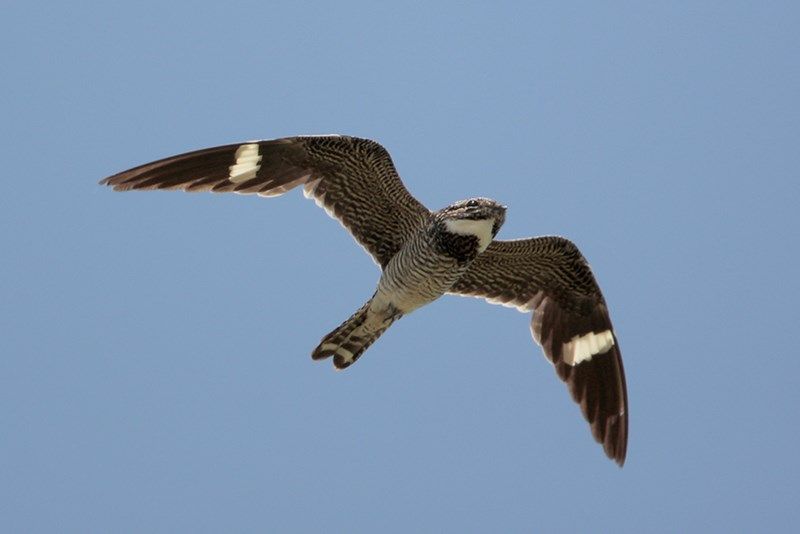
<point x="423" y="255"/>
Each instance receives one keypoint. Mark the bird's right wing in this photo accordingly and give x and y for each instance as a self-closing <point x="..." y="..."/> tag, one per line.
<point x="353" y="179"/>
<point x="549" y="277"/>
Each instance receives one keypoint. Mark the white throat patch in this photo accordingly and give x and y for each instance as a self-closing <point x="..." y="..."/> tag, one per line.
<point x="482" y="229"/>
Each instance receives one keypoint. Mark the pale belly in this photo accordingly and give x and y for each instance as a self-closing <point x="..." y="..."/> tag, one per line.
<point x="409" y="290"/>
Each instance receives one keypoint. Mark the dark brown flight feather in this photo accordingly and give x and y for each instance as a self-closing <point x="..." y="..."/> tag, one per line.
<point x="353" y="179"/>
<point x="550" y="277"/>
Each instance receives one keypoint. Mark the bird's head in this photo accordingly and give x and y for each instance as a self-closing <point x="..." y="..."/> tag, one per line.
<point x="481" y="217"/>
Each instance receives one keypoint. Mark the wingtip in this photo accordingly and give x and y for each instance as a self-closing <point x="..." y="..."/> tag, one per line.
<point x="618" y="453"/>
<point x="620" y="457"/>
<point x="615" y="442"/>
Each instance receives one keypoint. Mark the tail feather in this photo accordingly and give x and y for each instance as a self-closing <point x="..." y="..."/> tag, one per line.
<point x="350" y="339"/>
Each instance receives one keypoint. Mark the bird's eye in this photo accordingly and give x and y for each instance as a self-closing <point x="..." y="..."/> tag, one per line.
<point x="472" y="203"/>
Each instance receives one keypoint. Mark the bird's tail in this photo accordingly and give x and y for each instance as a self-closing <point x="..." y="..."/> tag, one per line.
<point x="350" y="339"/>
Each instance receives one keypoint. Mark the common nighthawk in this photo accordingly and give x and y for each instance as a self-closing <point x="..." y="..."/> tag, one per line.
<point x="425" y="254"/>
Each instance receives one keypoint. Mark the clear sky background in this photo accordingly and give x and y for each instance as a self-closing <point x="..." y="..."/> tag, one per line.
<point x="155" y="370"/>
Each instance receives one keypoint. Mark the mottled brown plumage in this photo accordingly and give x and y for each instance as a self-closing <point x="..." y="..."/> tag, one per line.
<point x="549" y="277"/>
<point x="425" y="254"/>
<point x="353" y="179"/>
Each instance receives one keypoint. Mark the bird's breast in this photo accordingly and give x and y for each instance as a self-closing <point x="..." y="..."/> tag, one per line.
<point x="418" y="274"/>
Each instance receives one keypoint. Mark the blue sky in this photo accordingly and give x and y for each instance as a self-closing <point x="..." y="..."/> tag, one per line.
<point x="155" y="372"/>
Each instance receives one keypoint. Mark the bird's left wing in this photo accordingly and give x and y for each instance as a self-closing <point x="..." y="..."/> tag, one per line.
<point x="353" y="179"/>
<point x="550" y="277"/>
